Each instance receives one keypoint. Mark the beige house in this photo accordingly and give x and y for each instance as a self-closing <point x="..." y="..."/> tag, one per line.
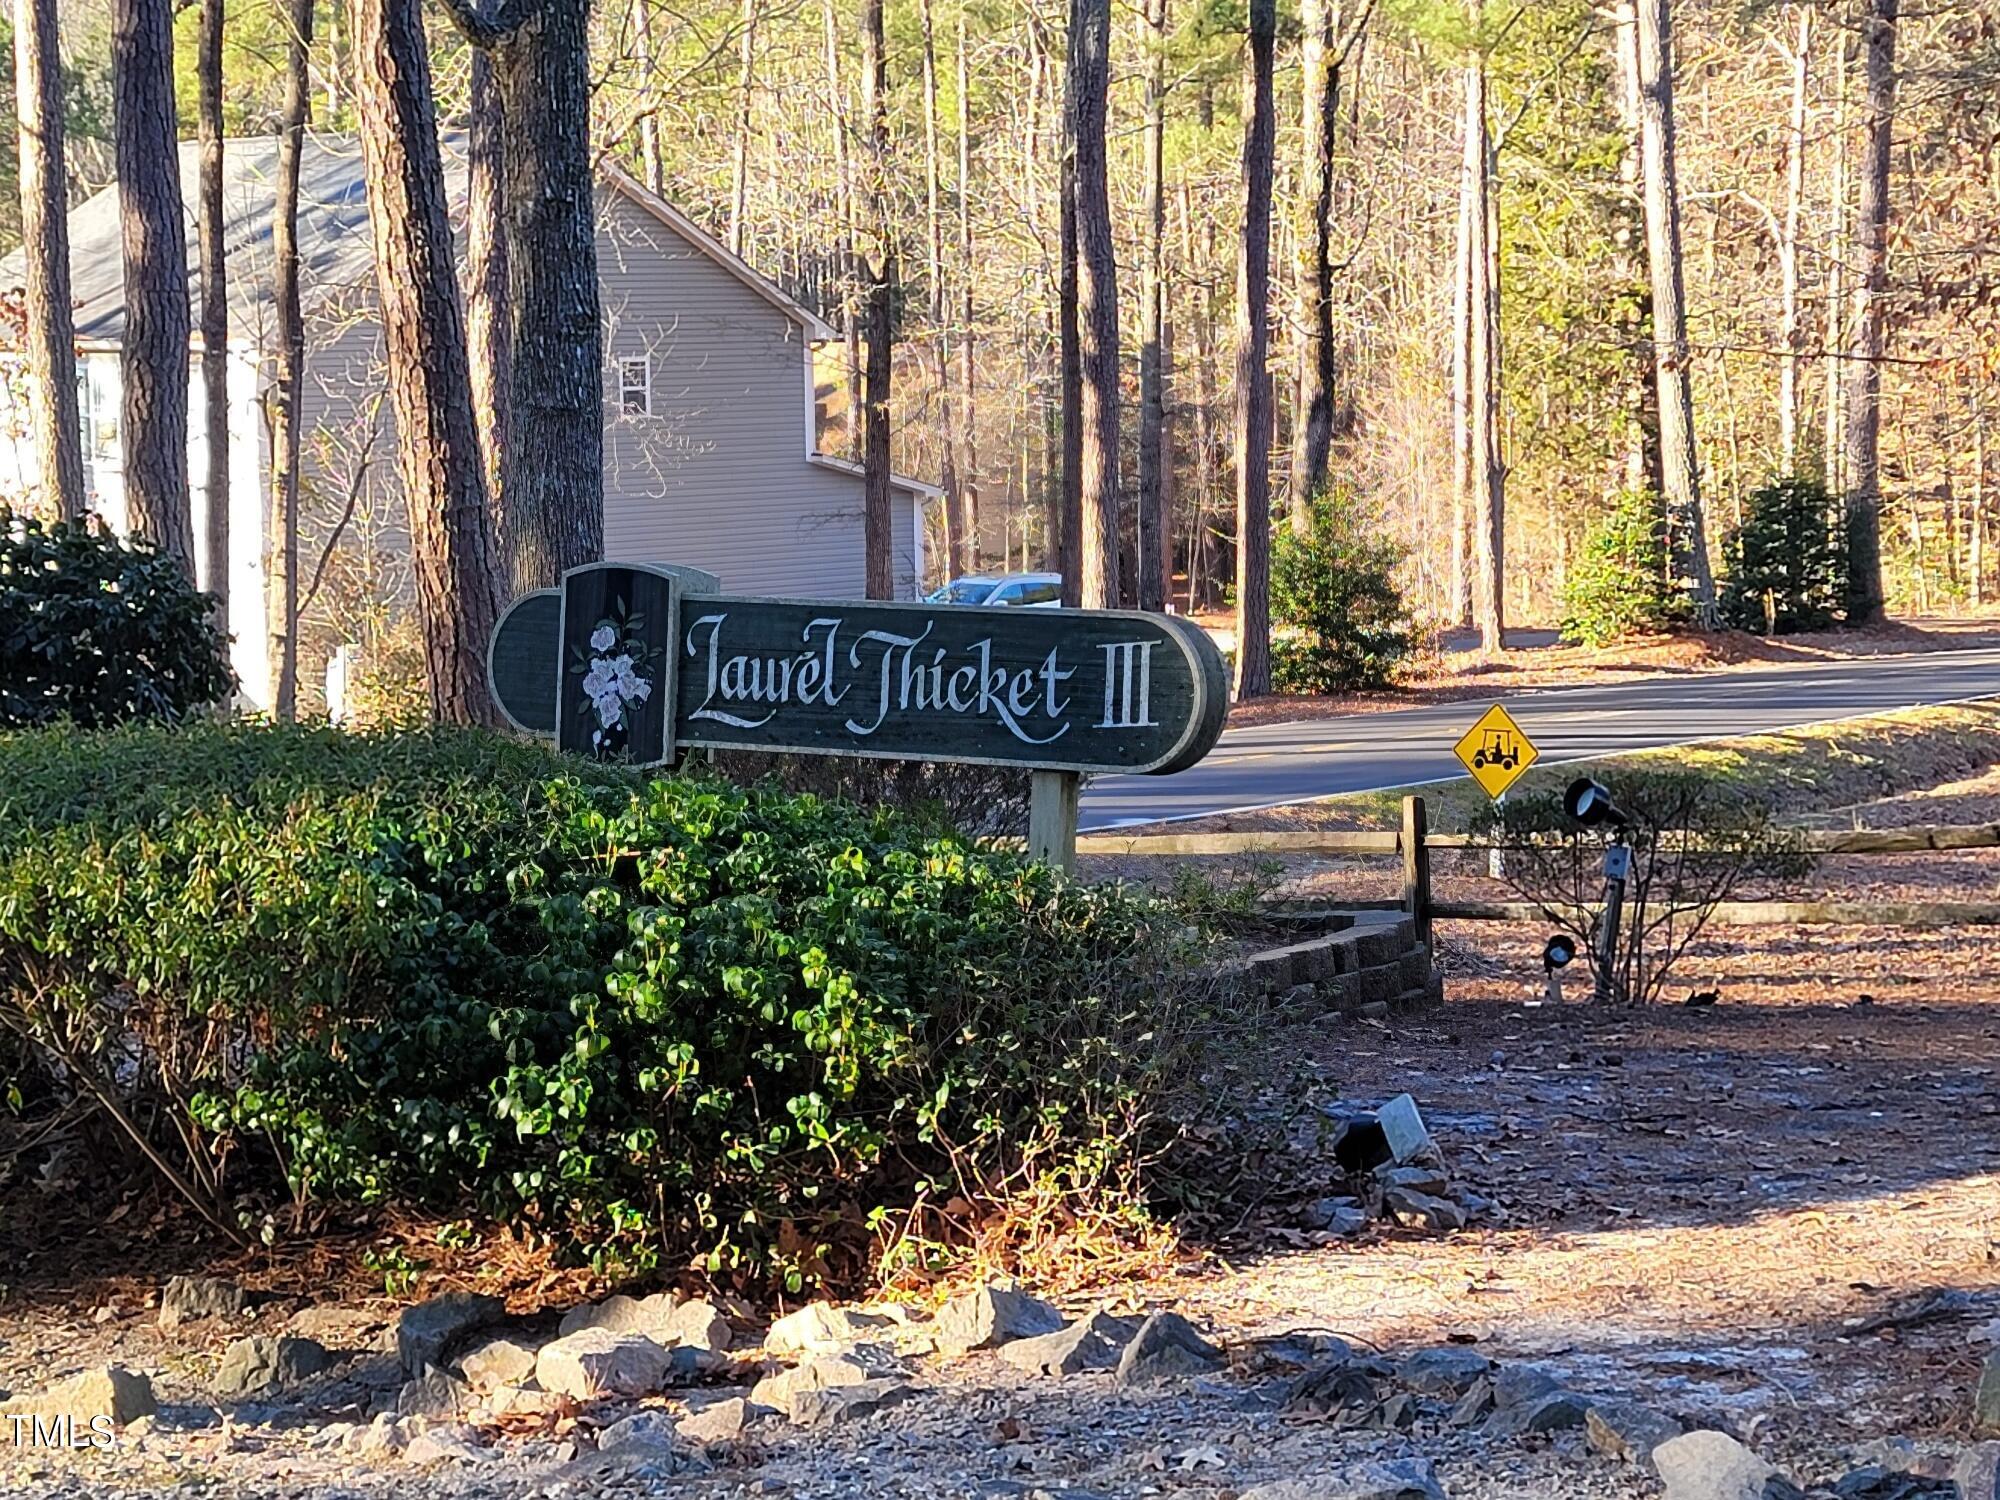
<point x="711" y="418"/>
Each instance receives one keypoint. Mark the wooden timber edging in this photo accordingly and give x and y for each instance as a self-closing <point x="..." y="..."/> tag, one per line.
<point x="1389" y="841"/>
<point x="1907" y="914"/>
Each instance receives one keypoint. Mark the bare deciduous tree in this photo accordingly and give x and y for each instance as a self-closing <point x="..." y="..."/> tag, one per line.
<point x="1864" y="375"/>
<point x="880" y="314"/>
<point x="214" y="308"/>
<point x="1253" y="382"/>
<point x="281" y="568"/>
<point x="1085" y="103"/>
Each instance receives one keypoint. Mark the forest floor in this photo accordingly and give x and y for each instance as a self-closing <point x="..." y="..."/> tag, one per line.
<point x="1539" y="660"/>
<point x="1778" y="1214"/>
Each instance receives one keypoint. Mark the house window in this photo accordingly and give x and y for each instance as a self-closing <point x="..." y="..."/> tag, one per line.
<point x="635" y="386"/>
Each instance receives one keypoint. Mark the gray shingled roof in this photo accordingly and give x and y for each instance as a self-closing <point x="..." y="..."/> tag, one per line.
<point x="334" y="245"/>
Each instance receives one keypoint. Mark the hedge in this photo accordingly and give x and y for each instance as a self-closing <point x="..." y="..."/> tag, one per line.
<point x="656" y="1018"/>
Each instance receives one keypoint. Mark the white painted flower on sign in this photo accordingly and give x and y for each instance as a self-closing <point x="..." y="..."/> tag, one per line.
<point x="614" y="677"/>
<point x="603" y="638"/>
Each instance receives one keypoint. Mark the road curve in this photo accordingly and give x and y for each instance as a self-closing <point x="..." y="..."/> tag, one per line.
<point x="1268" y="765"/>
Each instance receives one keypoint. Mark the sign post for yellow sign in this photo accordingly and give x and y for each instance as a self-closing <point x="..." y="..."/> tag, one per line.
<point x="1496" y="752"/>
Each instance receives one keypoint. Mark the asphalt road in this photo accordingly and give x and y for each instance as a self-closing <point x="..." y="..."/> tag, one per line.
<point x="1268" y="765"/>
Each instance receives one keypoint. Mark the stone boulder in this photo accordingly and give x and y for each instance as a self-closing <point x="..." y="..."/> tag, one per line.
<point x="498" y="1361"/>
<point x="438" y="1396"/>
<point x="822" y="1328"/>
<point x="845" y="1403"/>
<point x="856" y="1366"/>
<point x="109" y="1392"/>
<point x="722" y="1421"/>
<point x="990" y="1316"/>
<point x="1092" y="1343"/>
<point x="653" y="1429"/>
<point x="595" y="1362"/>
<point x="1447" y="1370"/>
<point x="1166" y="1347"/>
<point x="1706" y="1465"/>
<point x="262" y="1362"/>
<point x="186" y="1298"/>
<point x="422" y="1334"/>
<point x="1623" y="1429"/>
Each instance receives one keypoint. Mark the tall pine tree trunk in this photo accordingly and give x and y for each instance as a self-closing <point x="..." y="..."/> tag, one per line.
<point x="488" y="322"/>
<point x="1791" y="326"/>
<point x="1487" y="503"/>
<point x="1155" y="451"/>
<point x="1459" y="587"/>
<point x="281" y="571"/>
<point x="1253" y="386"/>
<point x="1069" y="358"/>
<point x="1312" y="412"/>
<point x="954" y="500"/>
<point x="968" y="437"/>
<point x="880" y="315"/>
<point x="554" y="499"/>
<point x="51" y="327"/>
<point x="154" y="355"/>
<point x="1087" y="99"/>
<point x="452" y="551"/>
<point x="214" y="310"/>
<point x="1680" y="476"/>
<point x="1864" y="374"/>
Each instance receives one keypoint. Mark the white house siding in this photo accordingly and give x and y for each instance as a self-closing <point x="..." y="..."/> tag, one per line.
<point x="717" y="474"/>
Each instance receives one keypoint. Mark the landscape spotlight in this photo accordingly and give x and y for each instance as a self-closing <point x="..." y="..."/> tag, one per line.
<point x="1590" y="804"/>
<point x="1557" y="952"/>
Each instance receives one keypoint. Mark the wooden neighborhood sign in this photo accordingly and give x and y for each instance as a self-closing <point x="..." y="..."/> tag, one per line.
<point x="635" y="662"/>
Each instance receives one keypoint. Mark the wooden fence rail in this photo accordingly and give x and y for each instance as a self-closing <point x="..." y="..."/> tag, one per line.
<point x="1414" y="843"/>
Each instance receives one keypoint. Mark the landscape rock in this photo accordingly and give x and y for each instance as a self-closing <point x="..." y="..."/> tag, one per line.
<point x="653" y="1429"/>
<point x="821" y="1328"/>
<point x="1165" y="1348"/>
<point x="440" y="1445"/>
<point x="619" y="1313"/>
<point x="1447" y="1370"/>
<point x="596" y="1362"/>
<point x="497" y="1362"/>
<point x="1556" y="1412"/>
<point x="1977" y="1472"/>
<point x="1415" y="1179"/>
<point x="1415" y="1210"/>
<point x="700" y="1325"/>
<point x="845" y="1403"/>
<point x="1092" y="1343"/>
<point x="1522" y="1385"/>
<point x="439" y="1396"/>
<point x="112" y="1391"/>
<point x="989" y="1316"/>
<point x="858" y="1365"/>
<point x="522" y="1401"/>
<point x="1874" y="1482"/>
<point x="1399" y="1479"/>
<point x="382" y="1437"/>
<point x="1986" y="1398"/>
<point x="1624" y="1429"/>
<point x="1341" y="1216"/>
<point x="262" y="1362"/>
<point x="1704" y="1465"/>
<point x="186" y="1298"/>
<point x="721" y="1421"/>
<point x="423" y="1333"/>
<point x="1405" y="1134"/>
<point x="1474" y="1406"/>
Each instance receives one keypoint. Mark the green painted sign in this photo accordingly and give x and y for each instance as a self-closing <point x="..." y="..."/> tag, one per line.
<point x="1051" y="689"/>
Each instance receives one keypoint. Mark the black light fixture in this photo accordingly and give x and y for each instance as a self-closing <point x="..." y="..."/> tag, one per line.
<point x="1557" y="952"/>
<point x="1588" y="803"/>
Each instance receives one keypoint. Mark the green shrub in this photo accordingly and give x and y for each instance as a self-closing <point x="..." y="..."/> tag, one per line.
<point x="1785" y="567"/>
<point x="98" y="630"/>
<point x="671" y="1018"/>
<point x="1343" y="623"/>
<point x="1620" y="586"/>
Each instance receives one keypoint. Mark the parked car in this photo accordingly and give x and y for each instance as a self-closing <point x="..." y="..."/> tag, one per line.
<point x="1025" y="590"/>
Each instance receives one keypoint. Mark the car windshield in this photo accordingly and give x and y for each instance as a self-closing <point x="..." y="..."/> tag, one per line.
<point x="963" y="591"/>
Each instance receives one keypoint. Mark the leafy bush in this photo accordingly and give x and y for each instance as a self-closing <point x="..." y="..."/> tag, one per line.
<point x="1621" y="585"/>
<point x="986" y="801"/>
<point x="1695" y="842"/>
<point x="1785" y="567"/>
<point x="642" y="1019"/>
<point x="99" y="630"/>
<point x="1344" y="623"/>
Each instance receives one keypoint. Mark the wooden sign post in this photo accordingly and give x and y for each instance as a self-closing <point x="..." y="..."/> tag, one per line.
<point x="634" y="662"/>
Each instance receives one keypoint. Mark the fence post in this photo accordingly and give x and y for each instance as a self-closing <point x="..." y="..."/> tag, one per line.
<point x="1416" y="868"/>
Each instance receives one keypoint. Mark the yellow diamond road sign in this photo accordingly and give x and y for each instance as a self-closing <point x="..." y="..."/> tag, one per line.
<point x="1495" y="751"/>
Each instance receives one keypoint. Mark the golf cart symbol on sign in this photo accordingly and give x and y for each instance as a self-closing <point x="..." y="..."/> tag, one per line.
<point x="1495" y="751"/>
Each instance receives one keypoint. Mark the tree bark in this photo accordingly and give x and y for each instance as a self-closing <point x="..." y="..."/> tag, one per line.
<point x="554" y="499"/>
<point x="968" y="437"/>
<point x="1089" y="85"/>
<point x="154" y="355"/>
<point x="214" y="310"/>
<point x="51" y="328"/>
<point x="1487" y="506"/>
<point x="1459" y="603"/>
<point x="940" y="314"/>
<point x="739" y="167"/>
<point x="281" y="571"/>
<point x="1253" y="388"/>
<point x="1069" y="495"/>
<point x="1791" y="327"/>
<point x="489" y="342"/>
<point x="652" y="165"/>
<point x="880" y="314"/>
<point x="850" y="258"/>
<point x="451" y="544"/>
<point x="1155" y="451"/>
<point x="1680" y="480"/>
<point x="1312" y="411"/>
<point x="1864" y="374"/>
<point x="1833" y="446"/>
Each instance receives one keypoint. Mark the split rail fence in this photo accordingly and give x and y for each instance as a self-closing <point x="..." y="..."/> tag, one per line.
<point x="1413" y="844"/>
